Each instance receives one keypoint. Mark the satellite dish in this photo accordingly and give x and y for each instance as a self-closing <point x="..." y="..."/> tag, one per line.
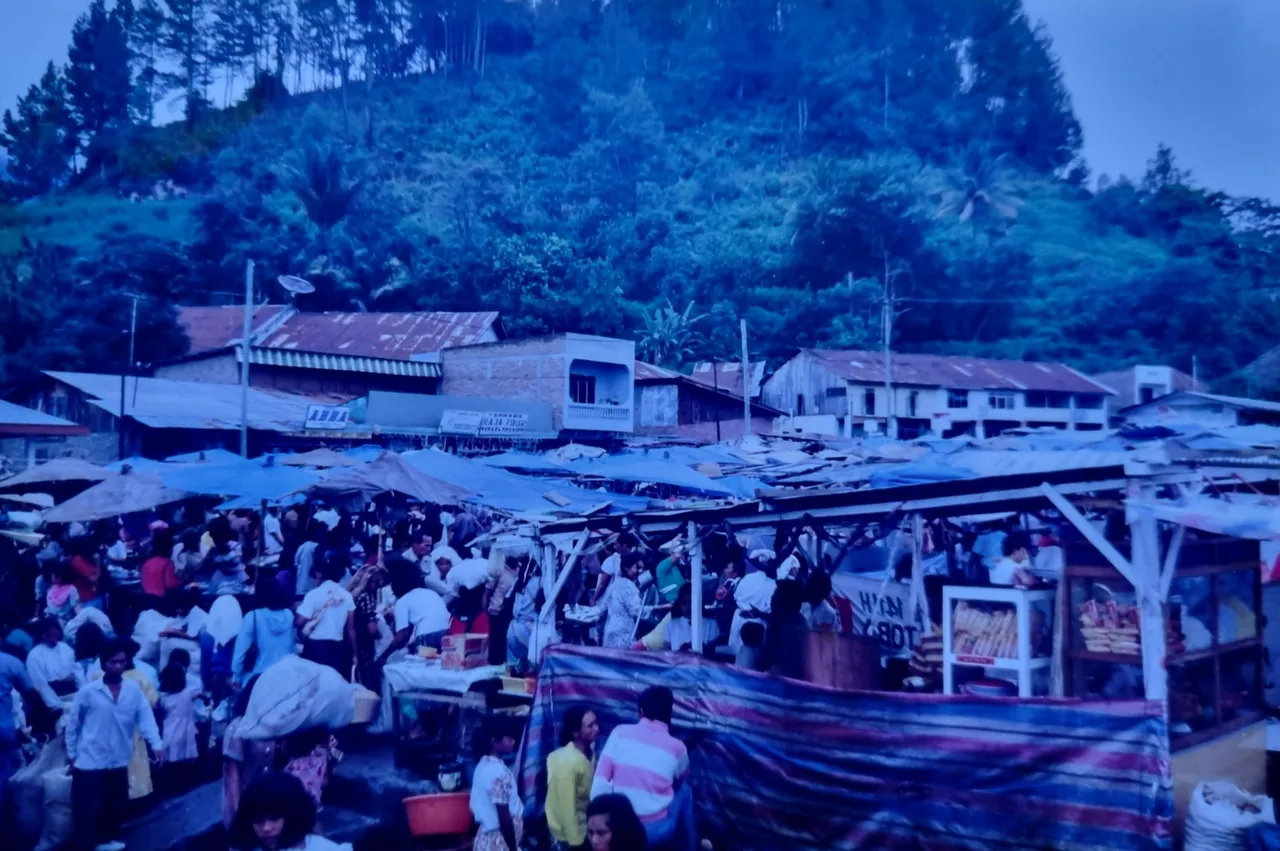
<point x="295" y="285"/>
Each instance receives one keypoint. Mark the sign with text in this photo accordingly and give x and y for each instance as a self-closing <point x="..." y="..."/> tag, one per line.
<point x="881" y="610"/>
<point x="327" y="417"/>
<point x="503" y="423"/>
<point x="461" y="422"/>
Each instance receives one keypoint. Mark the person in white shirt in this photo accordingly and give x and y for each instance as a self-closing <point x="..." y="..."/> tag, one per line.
<point x="103" y="719"/>
<point x="52" y="668"/>
<point x="272" y="536"/>
<point x="753" y="596"/>
<point x="304" y="561"/>
<point x="1014" y="568"/>
<point x="326" y="618"/>
<point x="610" y="566"/>
<point x="436" y="569"/>
<point x="419" y="549"/>
<point x="421" y="616"/>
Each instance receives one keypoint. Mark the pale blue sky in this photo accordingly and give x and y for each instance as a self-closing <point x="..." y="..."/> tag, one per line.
<point x="1200" y="75"/>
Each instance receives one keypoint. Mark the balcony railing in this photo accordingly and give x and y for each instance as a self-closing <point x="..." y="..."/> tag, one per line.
<point x="598" y="417"/>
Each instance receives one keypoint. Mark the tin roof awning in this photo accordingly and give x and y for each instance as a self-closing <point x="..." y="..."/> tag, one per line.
<point x="342" y="363"/>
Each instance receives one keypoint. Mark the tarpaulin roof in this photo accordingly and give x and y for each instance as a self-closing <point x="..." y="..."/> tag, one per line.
<point x="391" y="473"/>
<point x="244" y="479"/>
<point x="525" y="461"/>
<point x="506" y="491"/>
<point x="630" y="468"/>
<point x="206" y="456"/>
<point x="323" y="458"/>
<point x="58" y="470"/>
<point x="125" y="493"/>
<point x="138" y="465"/>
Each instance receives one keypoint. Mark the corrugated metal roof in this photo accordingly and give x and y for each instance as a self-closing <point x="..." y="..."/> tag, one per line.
<point x="212" y="328"/>
<point x="650" y="372"/>
<point x="1234" y="401"/>
<point x="728" y="376"/>
<point x="961" y="373"/>
<point x="16" y="415"/>
<point x="394" y="336"/>
<point x="343" y="363"/>
<point x="165" y="403"/>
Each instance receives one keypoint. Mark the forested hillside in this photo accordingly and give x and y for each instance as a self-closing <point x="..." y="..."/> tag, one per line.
<point x="647" y="168"/>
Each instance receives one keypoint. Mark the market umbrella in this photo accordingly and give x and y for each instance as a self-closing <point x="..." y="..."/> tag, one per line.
<point x="324" y="458"/>
<point x="122" y="494"/>
<point x="390" y="474"/>
<point x="58" y="471"/>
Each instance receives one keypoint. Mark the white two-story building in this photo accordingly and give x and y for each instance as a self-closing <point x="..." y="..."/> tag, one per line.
<point x="846" y="392"/>
<point x="588" y="381"/>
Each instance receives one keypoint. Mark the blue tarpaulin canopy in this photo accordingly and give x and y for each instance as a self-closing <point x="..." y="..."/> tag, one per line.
<point x="206" y="456"/>
<point x="524" y="461"/>
<point x="247" y="480"/>
<point x="633" y="468"/>
<point x="506" y="491"/>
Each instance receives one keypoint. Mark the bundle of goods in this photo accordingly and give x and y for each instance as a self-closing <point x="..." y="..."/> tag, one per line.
<point x="975" y="632"/>
<point x="1110" y="627"/>
<point x="1220" y="816"/>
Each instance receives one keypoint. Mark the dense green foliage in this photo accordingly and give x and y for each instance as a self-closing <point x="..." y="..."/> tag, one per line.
<point x="656" y="169"/>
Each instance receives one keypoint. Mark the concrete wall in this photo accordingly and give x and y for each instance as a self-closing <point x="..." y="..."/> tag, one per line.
<point x="216" y="369"/>
<point x="519" y="369"/>
<point x="22" y="452"/>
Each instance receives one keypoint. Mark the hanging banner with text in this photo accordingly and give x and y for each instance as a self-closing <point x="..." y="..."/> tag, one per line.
<point x="881" y="610"/>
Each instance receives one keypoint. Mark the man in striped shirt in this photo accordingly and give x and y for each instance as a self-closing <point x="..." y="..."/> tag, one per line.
<point x="650" y="767"/>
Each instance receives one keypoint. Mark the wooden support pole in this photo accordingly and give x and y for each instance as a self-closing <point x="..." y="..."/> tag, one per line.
<point x="695" y="570"/>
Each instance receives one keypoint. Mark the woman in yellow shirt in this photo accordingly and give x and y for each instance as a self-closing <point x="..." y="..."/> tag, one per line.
<point x="570" y="770"/>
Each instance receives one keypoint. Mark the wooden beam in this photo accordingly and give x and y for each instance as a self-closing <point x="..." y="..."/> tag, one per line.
<point x="1171" y="561"/>
<point x="1092" y="535"/>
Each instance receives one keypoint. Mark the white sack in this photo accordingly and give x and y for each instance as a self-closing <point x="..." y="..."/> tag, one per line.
<point x="294" y="694"/>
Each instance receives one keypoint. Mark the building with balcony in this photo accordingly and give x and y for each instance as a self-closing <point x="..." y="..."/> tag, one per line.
<point x="588" y="381"/>
<point x="852" y="393"/>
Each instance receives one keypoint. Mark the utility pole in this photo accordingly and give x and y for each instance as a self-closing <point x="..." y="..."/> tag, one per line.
<point x="128" y="368"/>
<point x="888" y="306"/>
<point x="244" y="359"/>
<point x="746" y="384"/>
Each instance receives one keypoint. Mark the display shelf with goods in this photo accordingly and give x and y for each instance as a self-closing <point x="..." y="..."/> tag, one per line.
<point x="1213" y="643"/>
<point x="1005" y="630"/>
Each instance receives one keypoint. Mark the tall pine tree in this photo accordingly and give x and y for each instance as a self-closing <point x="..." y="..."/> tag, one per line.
<point x="98" y="72"/>
<point x="185" y="40"/>
<point x="41" y="138"/>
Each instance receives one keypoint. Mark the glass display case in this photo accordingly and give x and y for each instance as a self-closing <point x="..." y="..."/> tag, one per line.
<point x="989" y="634"/>
<point x="1213" y="644"/>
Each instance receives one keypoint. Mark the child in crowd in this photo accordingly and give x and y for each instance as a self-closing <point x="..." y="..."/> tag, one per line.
<point x="178" y="703"/>
<point x="495" y="803"/>
<point x="312" y="756"/>
<point x="182" y="658"/>
<point x="62" y="601"/>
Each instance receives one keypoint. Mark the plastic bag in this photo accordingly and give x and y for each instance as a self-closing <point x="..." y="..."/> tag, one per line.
<point x="294" y="694"/>
<point x="57" y="809"/>
<point x="1220" y="816"/>
<point x="147" y="634"/>
<point x="27" y="788"/>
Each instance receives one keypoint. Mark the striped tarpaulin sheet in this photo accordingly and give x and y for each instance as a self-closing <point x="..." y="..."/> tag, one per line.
<point x="780" y="764"/>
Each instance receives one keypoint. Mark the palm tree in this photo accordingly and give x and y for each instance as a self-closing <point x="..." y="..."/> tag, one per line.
<point x="669" y="334"/>
<point x="322" y="186"/>
<point x="980" y="188"/>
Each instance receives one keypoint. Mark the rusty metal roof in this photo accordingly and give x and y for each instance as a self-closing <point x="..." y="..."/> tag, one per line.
<point x="389" y="336"/>
<point x="728" y="376"/>
<point x="393" y="336"/>
<point x="649" y="372"/>
<point x="212" y="328"/>
<point x="960" y="373"/>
